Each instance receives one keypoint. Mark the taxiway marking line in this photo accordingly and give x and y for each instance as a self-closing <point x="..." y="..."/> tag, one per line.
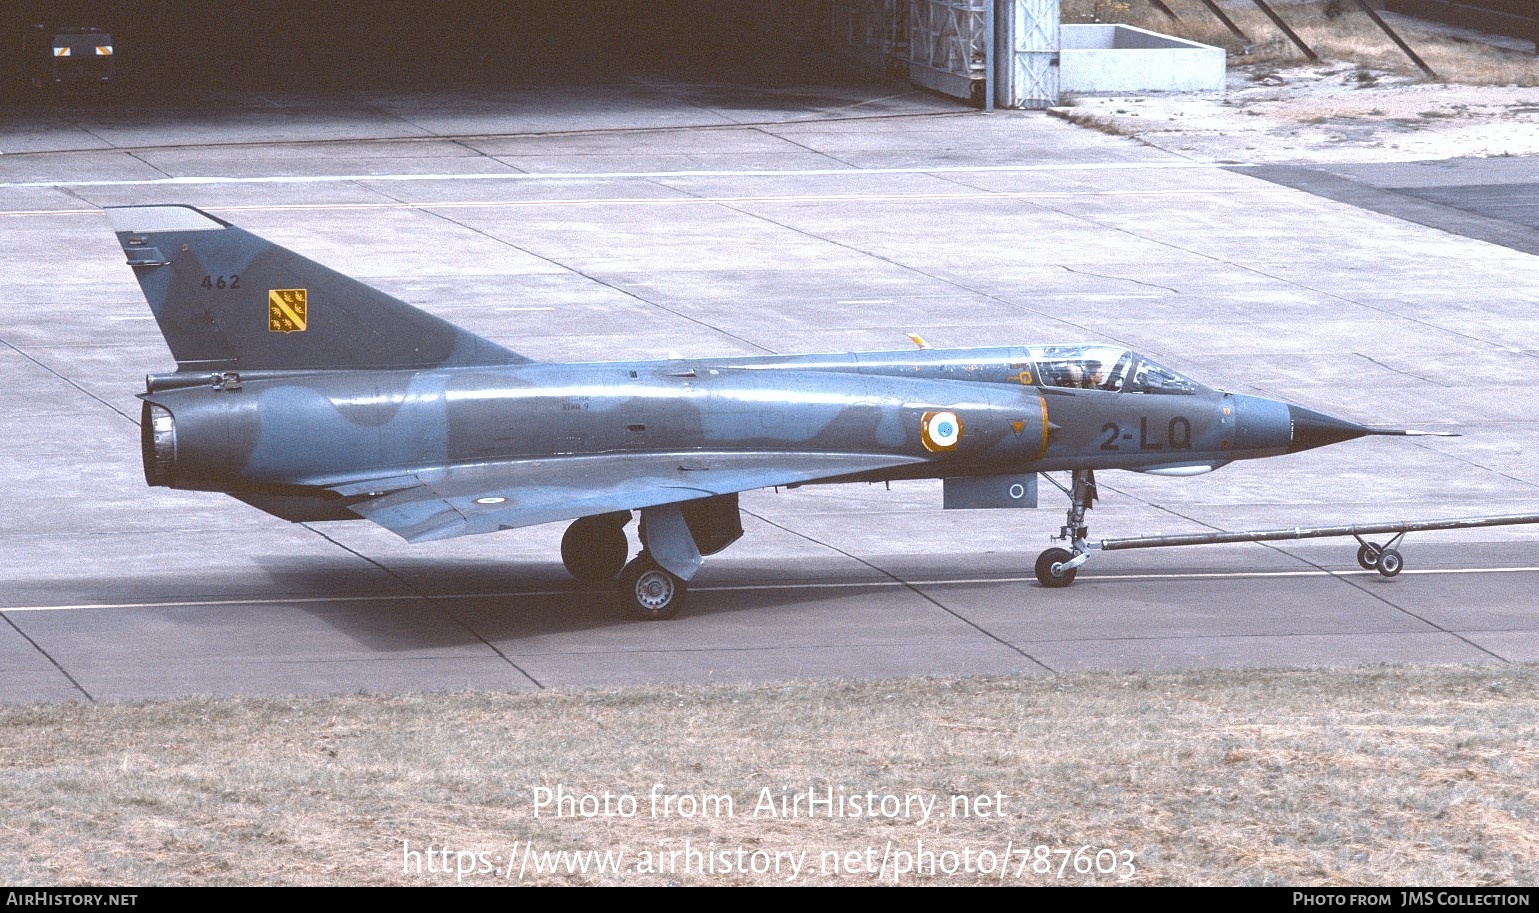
<point x="199" y="180"/>
<point x="1272" y="190"/>
<point x="1261" y="191"/>
<point x="755" y="587"/>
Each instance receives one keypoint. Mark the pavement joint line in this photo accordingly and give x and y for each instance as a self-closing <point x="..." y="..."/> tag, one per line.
<point x="803" y="146"/>
<point x="595" y="278"/>
<point x="1283" y="548"/>
<point x="1395" y="606"/>
<point x="48" y="656"/>
<point x="1153" y="237"/>
<point x="899" y="264"/>
<point x="769" y="587"/>
<point x="68" y="380"/>
<point x="912" y="588"/>
<point x="432" y="601"/>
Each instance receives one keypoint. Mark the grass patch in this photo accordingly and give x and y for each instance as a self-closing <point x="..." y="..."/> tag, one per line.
<point x="1386" y="776"/>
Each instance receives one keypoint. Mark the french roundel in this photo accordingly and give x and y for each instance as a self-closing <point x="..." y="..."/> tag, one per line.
<point x="942" y="431"/>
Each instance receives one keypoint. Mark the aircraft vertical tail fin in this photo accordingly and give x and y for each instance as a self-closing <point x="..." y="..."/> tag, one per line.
<point x="227" y="300"/>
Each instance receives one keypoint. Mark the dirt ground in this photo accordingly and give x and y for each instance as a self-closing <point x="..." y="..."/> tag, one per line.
<point x="1329" y="112"/>
<point x="1364" y="102"/>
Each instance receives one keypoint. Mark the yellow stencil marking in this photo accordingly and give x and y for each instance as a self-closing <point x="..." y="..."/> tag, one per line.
<point x="286" y="310"/>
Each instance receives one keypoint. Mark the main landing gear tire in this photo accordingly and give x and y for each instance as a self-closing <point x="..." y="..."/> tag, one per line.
<point x="1390" y="562"/>
<point x="650" y="592"/>
<point x="1368" y="556"/>
<point x="1045" y="573"/>
<point x="594" y="549"/>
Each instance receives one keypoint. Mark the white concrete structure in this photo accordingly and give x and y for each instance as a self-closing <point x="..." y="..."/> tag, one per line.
<point x="1121" y="58"/>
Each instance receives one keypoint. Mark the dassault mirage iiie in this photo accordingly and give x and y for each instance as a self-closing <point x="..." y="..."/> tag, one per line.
<point x="312" y="396"/>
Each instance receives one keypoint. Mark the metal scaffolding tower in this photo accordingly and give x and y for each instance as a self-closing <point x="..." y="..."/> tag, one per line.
<point x="948" y="45"/>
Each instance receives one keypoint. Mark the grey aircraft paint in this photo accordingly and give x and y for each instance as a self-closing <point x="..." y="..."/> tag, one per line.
<point x="315" y="397"/>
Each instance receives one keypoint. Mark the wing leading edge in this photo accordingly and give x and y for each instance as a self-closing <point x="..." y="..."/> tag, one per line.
<point x="486" y="497"/>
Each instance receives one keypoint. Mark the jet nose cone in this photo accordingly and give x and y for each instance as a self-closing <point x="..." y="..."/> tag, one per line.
<point x="1313" y="429"/>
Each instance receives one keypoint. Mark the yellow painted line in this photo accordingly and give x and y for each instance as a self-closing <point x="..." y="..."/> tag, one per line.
<point x="764" y="587"/>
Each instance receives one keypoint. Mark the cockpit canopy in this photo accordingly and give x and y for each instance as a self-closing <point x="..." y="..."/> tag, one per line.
<point x="1100" y="367"/>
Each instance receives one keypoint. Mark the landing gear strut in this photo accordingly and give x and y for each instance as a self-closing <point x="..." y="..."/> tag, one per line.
<point x="1056" y="567"/>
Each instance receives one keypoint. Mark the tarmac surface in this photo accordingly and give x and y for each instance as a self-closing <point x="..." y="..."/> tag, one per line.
<point x="1490" y="199"/>
<point x="674" y="217"/>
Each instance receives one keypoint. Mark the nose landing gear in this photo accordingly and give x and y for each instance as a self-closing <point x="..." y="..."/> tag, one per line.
<point x="1056" y="567"/>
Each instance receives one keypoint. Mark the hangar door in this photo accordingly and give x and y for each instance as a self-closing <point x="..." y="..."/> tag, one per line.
<point x="991" y="52"/>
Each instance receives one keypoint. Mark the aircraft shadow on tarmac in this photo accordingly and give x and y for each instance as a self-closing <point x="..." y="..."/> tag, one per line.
<point x="450" y="603"/>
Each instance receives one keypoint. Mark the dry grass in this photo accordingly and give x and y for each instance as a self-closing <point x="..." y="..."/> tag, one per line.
<point x="1335" y="29"/>
<point x="1387" y="777"/>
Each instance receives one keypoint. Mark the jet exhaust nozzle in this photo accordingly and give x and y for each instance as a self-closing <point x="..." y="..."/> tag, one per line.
<point x="157" y="431"/>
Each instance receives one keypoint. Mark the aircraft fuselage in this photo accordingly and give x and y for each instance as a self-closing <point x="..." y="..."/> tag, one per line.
<point x="269" y="429"/>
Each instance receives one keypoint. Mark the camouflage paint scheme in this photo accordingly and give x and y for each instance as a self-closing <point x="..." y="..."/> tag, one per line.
<point x="315" y="397"/>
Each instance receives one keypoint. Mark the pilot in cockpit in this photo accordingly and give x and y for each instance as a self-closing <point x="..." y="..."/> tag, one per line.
<point x="1067" y="374"/>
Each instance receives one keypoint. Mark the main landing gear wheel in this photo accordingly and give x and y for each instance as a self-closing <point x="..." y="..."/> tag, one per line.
<point x="1047" y="576"/>
<point x="1390" y="562"/>
<point x="594" y="549"/>
<point x="1368" y="556"/>
<point x="650" y="592"/>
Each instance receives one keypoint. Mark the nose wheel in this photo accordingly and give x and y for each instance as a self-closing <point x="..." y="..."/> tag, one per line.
<point x="1052" y="570"/>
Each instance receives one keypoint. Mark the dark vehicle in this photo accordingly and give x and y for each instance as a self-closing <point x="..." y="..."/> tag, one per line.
<point x="70" y="59"/>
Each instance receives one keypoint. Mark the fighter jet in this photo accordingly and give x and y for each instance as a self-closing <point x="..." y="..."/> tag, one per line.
<point x="312" y="396"/>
